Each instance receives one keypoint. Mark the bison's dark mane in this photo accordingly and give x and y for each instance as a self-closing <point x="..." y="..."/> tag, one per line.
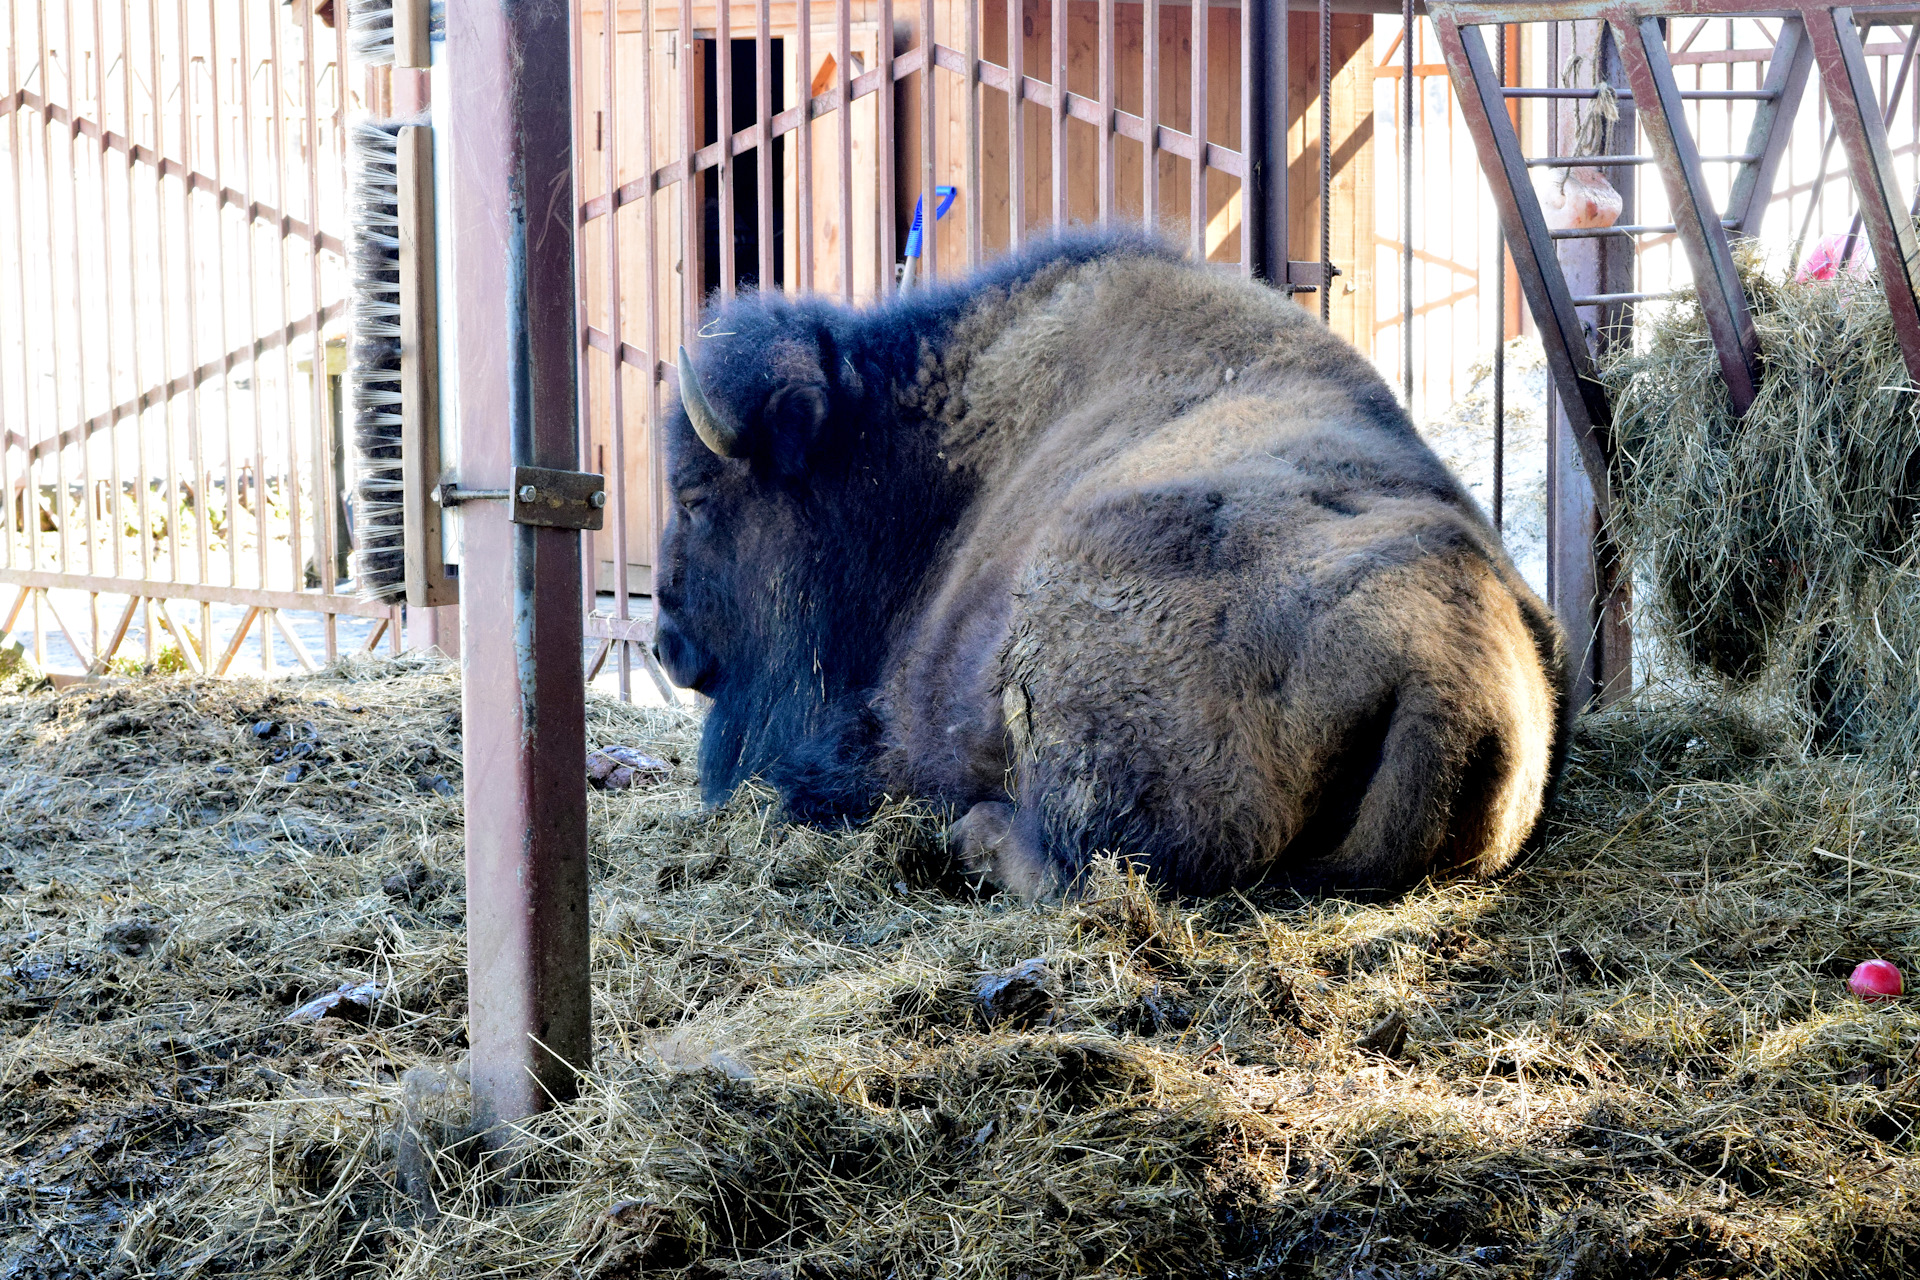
<point x="797" y="707"/>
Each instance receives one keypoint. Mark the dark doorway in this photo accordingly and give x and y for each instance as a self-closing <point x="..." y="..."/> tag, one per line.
<point x="745" y="215"/>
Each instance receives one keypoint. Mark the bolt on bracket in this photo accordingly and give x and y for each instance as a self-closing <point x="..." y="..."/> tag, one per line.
<point x="540" y="496"/>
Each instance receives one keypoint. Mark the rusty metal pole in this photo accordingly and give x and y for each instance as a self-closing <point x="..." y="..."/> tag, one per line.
<point x="510" y="119"/>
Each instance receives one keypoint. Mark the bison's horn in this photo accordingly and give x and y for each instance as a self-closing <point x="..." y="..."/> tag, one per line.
<point x="708" y="425"/>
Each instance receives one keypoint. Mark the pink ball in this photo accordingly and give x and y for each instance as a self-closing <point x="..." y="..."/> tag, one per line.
<point x="1875" y="980"/>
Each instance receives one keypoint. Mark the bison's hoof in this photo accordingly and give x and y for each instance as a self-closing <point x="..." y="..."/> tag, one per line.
<point x="988" y="846"/>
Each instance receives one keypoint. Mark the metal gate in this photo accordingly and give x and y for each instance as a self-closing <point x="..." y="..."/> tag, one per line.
<point x="171" y="192"/>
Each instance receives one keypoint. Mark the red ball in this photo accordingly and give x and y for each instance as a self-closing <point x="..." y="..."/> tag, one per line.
<point x="1875" y="980"/>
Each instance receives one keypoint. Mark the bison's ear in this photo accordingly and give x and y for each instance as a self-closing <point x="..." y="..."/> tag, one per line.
<point x="797" y="408"/>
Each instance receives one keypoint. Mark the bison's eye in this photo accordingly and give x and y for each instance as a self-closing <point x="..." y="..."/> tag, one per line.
<point x="691" y="500"/>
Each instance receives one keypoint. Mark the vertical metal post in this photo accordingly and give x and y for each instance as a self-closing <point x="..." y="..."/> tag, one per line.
<point x="729" y="229"/>
<point x="803" y="182"/>
<point x="1057" y="73"/>
<point x="523" y="696"/>
<point x="1407" y="101"/>
<point x="1265" y="214"/>
<point x="929" y="265"/>
<point x="1150" y="111"/>
<point x="843" y="85"/>
<point x="1197" y="122"/>
<point x="1105" y="135"/>
<point x="616" y="340"/>
<point x="1016" y="122"/>
<point x="1499" y="338"/>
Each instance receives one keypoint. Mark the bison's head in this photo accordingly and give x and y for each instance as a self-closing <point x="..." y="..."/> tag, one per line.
<point x="807" y="505"/>
<point x="738" y="480"/>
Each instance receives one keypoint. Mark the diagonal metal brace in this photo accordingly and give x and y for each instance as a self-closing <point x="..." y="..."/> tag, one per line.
<point x="1843" y="74"/>
<point x="1483" y="102"/>
<point x="1643" y="48"/>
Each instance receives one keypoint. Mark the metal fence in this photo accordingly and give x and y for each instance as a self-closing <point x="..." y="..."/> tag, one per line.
<point x="785" y="145"/>
<point x="171" y="202"/>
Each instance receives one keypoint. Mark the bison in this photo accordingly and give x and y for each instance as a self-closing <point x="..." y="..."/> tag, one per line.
<point x="1106" y="551"/>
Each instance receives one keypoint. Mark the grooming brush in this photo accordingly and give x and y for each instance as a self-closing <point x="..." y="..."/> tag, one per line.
<point x="395" y="366"/>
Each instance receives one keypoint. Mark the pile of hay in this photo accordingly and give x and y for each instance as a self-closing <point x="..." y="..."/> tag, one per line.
<point x="1783" y="547"/>
<point x="1633" y="1056"/>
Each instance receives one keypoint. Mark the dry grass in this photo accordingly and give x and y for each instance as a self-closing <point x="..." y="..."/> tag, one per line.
<point x="1784" y="547"/>
<point x="1632" y="1056"/>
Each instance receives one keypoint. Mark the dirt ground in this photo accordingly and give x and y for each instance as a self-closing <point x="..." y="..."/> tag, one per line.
<point x="817" y="1056"/>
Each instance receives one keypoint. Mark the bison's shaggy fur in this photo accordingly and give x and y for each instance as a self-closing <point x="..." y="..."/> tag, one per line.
<point x="1107" y="552"/>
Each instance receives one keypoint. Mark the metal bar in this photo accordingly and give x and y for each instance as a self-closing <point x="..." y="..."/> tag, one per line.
<point x="616" y="382"/>
<point x="1844" y="77"/>
<point x="523" y="693"/>
<point x="189" y="241"/>
<point x="27" y="496"/>
<point x="1326" y="159"/>
<point x="169" y="167"/>
<point x="1016" y="124"/>
<point x="1150" y="112"/>
<point x="888" y="211"/>
<point x="260" y="537"/>
<point x="1886" y="118"/>
<point x="723" y="128"/>
<point x="1541" y="277"/>
<point x="1598" y="233"/>
<point x="1499" y="322"/>
<point x="1078" y="106"/>
<point x="207" y="593"/>
<point x="103" y="654"/>
<point x="1772" y="127"/>
<point x="1104" y="138"/>
<point x="1197" y="123"/>
<point x="179" y="386"/>
<point x="80" y="651"/>
<point x="692" y="233"/>
<point x="221" y="315"/>
<point x="803" y="184"/>
<point x="316" y="397"/>
<point x="1723" y="302"/>
<point x="1058" y="77"/>
<point x="650" y="266"/>
<point x="762" y="156"/>
<point x="283" y="281"/>
<point x="976" y="202"/>
<point x="62" y="530"/>
<point x="1616" y="299"/>
<point x="293" y="641"/>
<point x="842" y="35"/>
<point x="1264" y="144"/>
<point x="1407" y="107"/>
<point x="109" y="320"/>
<point x="1690" y="95"/>
<point x="1252" y="49"/>
<point x="1617" y="162"/>
<point x="928" y="266"/>
<point x="583" y="289"/>
<point x="232" y="650"/>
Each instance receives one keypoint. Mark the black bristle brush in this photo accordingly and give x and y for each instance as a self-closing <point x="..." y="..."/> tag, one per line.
<point x="393" y="368"/>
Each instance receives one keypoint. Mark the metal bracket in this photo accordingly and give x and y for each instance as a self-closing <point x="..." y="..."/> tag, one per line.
<point x="1306" y="277"/>
<point x="540" y="496"/>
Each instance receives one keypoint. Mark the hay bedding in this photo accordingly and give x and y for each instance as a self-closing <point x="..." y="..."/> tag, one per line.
<point x="1633" y="1056"/>
<point x="1782" y="549"/>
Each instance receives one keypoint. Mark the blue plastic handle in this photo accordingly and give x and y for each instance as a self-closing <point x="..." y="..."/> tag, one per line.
<point x="946" y="196"/>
